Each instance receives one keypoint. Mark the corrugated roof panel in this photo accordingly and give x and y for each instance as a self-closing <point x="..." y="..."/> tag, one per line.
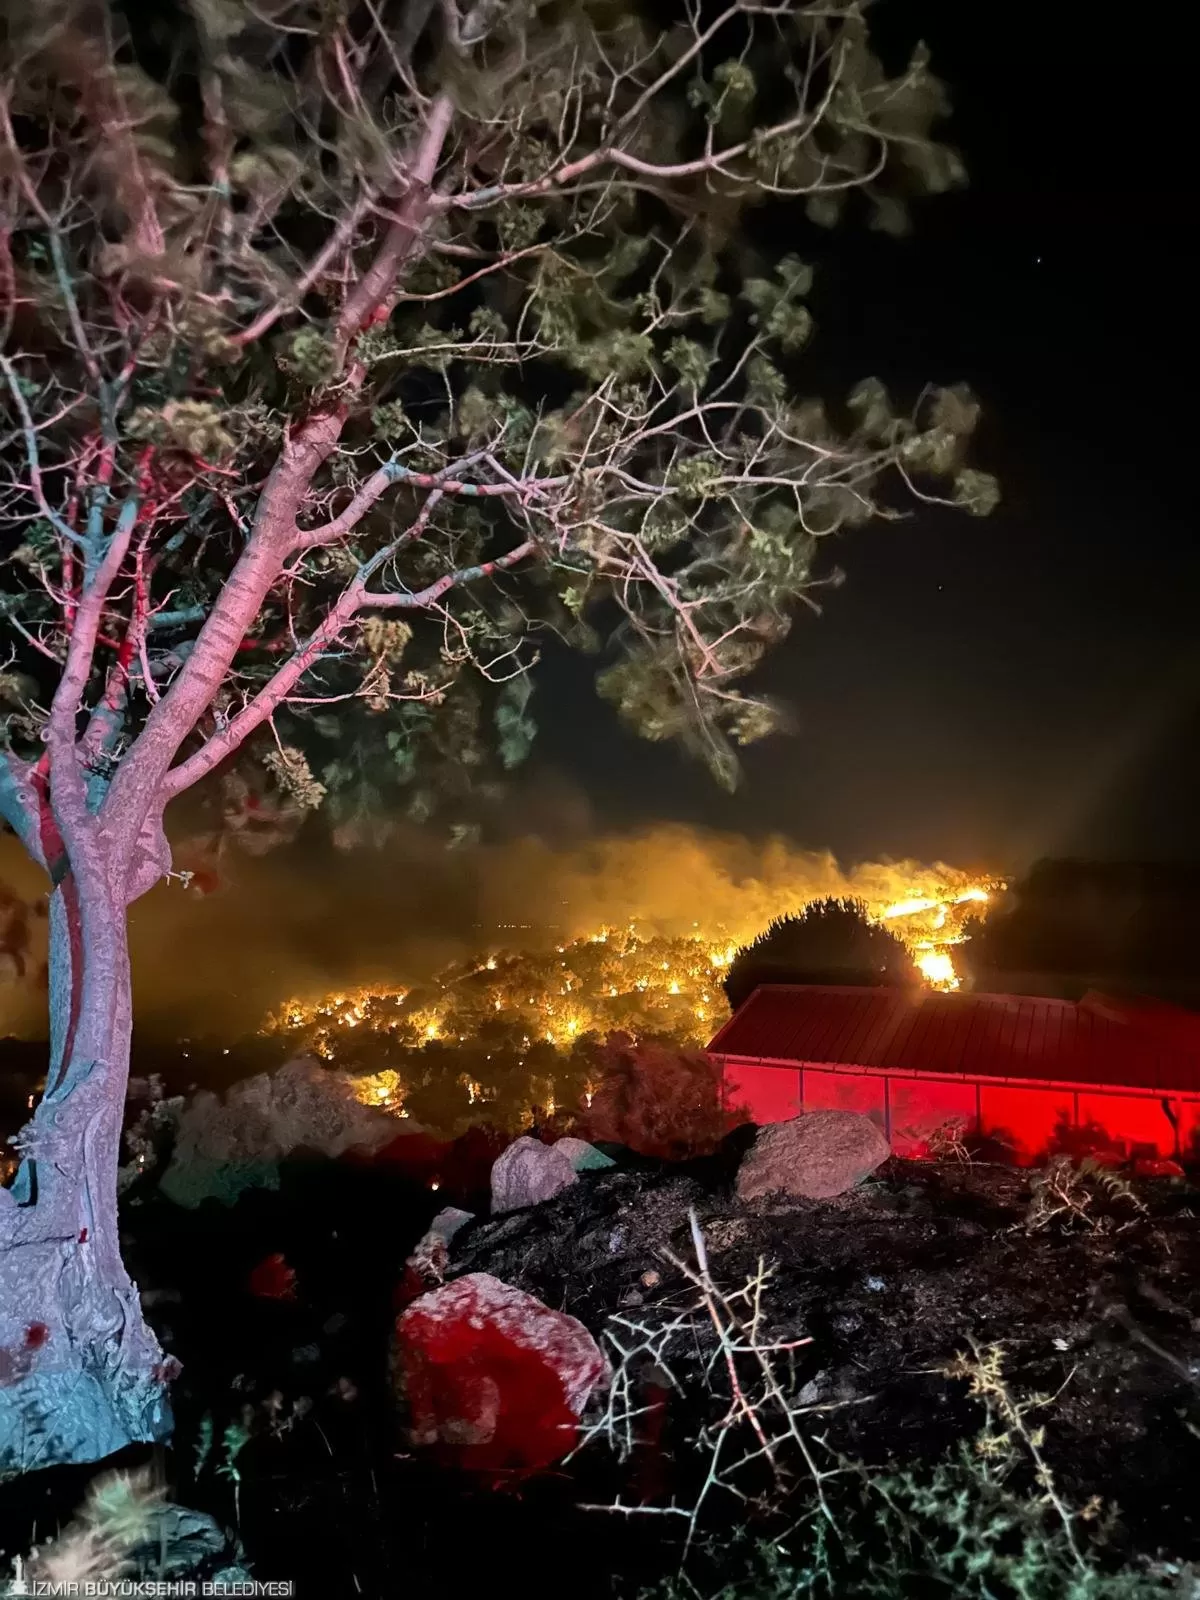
<point x="963" y="1022"/>
<point x="1001" y="1036"/>
<point x="910" y="1044"/>
<point x="1055" y="1044"/>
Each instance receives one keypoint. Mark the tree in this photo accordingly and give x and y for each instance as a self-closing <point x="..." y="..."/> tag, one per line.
<point x="830" y="941"/>
<point x="351" y="348"/>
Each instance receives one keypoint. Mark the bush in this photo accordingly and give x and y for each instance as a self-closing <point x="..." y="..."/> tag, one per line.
<point x="830" y="941"/>
<point x="988" y="1521"/>
<point x="126" y="1532"/>
<point x="658" y="1099"/>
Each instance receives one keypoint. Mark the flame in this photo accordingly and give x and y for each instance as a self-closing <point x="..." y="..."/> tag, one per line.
<point x="937" y="968"/>
<point x="614" y="978"/>
<point x="908" y="908"/>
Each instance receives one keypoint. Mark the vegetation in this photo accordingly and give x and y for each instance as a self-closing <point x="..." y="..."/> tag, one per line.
<point x="127" y="1531"/>
<point x="830" y="941"/>
<point x="988" y="1521"/>
<point x="658" y="1099"/>
<point x="351" y="351"/>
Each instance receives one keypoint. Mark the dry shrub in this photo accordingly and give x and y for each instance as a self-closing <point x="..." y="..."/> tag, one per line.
<point x="659" y="1099"/>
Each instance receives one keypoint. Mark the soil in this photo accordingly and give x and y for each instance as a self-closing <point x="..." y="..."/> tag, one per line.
<point x="887" y="1282"/>
<point x="894" y="1278"/>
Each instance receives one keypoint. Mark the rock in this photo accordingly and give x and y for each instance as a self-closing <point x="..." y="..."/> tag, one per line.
<point x="812" y="1391"/>
<point x="584" y="1157"/>
<point x="816" y="1156"/>
<point x="1156" y="1167"/>
<point x="272" y="1279"/>
<point x="492" y="1378"/>
<point x="426" y="1267"/>
<point x="448" y="1221"/>
<point x="529" y="1172"/>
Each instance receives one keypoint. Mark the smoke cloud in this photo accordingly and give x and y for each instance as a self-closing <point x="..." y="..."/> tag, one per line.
<point x="307" y="919"/>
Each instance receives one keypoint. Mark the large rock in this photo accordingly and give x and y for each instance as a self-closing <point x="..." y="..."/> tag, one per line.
<point x="816" y="1156"/>
<point x="529" y="1172"/>
<point x="225" y="1146"/>
<point x="584" y="1157"/>
<point x="492" y="1378"/>
<point x="426" y="1268"/>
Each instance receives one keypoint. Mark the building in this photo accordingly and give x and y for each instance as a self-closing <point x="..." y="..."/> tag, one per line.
<point x="1028" y="1075"/>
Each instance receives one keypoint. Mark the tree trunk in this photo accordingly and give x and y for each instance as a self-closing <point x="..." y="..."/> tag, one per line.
<point x="81" y="1375"/>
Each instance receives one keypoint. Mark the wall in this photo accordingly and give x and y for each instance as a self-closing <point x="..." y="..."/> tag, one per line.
<point x="1020" y="1122"/>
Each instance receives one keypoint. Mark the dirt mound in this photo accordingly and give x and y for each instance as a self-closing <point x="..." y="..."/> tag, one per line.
<point x="892" y="1279"/>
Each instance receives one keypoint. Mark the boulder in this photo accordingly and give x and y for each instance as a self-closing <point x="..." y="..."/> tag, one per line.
<point x="449" y="1220"/>
<point x="584" y="1157"/>
<point x="815" y="1156"/>
<point x="1157" y="1167"/>
<point x="493" y="1379"/>
<point x="529" y="1172"/>
<point x="426" y="1268"/>
<point x="272" y="1279"/>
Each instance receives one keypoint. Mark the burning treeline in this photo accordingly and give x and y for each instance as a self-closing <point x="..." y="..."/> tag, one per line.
<point x="651" y="970"/>
<point x="337" y="929"/>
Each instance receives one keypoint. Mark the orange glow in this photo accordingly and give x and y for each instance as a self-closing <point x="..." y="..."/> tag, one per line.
<point x="618" y="979"/>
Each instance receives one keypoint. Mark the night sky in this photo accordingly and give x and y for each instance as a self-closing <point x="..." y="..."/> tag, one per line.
<point x="994" y="691"/>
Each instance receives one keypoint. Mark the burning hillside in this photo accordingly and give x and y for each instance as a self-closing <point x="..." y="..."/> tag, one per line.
<point x="530" y="1009"/>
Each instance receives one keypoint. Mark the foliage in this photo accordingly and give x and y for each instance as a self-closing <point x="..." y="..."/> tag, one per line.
<point x="436" y="313"/>
<point x="126" y="1530"/>
<point x="830" y="941"/>
<point x="658" y="1099"/>
<point x="1087" y="1194"/>
<point x="152" y="1129"/>
<point x="988" y="1522"/>
<point x="912" y="1535"/>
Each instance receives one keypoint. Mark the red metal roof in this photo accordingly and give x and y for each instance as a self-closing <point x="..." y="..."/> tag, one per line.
<point x="972" y="1035"/>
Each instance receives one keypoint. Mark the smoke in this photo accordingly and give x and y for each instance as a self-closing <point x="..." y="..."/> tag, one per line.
<point x="672" y="879"/>
<point x="307" y="919"/>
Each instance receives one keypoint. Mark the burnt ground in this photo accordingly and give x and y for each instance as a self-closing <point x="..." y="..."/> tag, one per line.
<point x="891" y="1280"/>
<point x="887" y="1283"/>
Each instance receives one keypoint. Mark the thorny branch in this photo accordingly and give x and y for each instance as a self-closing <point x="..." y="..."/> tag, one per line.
<point x="758" y="1422"/>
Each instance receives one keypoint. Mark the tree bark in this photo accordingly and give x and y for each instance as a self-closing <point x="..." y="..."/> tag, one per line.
<point x="81" y="1375"/>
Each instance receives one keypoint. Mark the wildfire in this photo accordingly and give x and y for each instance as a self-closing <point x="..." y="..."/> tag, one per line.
<point x="931" y="924"/>
<point x="507" y="1006"/>
<point x="937" y="968"/>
